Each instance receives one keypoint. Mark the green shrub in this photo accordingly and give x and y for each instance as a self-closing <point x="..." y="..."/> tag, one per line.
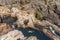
<point x="39" y="15"/>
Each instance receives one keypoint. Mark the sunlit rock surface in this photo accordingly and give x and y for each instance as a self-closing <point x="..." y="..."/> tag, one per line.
<point x="4" y="11"/>
<point x="24" y="15"/>
<point x="5" y="28"/>
<point x="16" y="35"/>
<point x="25" y="11"/>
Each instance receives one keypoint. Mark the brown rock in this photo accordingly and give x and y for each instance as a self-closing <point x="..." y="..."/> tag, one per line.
<point x="13" y="35"/>
<point x="4" y="28"/>
<point x="4" y="11"/>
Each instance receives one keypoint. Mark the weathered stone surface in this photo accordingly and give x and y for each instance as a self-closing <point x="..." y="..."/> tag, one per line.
<point x="13" y="35"/>
<point x="22" y="16"/>
<point x="48" y="7"/>
<point x="26" y="10"/>
<point x="16" y="35"/>
<point x="32" y="38"/>
<point x="4" y="11"/>
<point x="4" y="28"/>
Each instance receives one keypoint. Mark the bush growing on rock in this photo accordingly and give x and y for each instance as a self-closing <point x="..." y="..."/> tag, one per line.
<point x="39" y="15"/>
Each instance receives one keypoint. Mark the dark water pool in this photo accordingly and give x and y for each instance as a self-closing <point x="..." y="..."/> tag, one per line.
<point x="33" y="32"/>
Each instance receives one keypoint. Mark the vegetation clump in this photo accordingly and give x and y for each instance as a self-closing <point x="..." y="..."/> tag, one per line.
<point x="39" y="15"/>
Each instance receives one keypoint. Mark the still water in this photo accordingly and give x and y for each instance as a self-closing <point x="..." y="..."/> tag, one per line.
<point x="32" y="32"/>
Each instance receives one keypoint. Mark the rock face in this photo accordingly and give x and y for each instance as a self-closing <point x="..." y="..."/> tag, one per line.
<point x="4" y="11"/>
<point x="25" y="11"/>
<point x="23" y="16"/>
<point x="13" y="35"/>
<point x="5" y="28"/>
<point x="16" y="35"/>
<point x="48" y="8"/>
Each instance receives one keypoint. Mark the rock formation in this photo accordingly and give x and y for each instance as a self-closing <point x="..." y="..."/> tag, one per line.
<point x="16" y="35"/>
<point x="5" y="28"/>
<point x="26" y="12"/>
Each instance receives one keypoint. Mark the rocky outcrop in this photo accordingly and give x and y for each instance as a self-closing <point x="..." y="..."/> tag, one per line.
<point x="16" y="35"/>
<point x="13" y="35"/>
<point x="5" y="28"/>
<point x="4" y="11"/>
<point x="26" y="12"/>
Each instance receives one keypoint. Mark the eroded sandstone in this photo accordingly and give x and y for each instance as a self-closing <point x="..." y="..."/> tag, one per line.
<point x="26" y="10"/>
